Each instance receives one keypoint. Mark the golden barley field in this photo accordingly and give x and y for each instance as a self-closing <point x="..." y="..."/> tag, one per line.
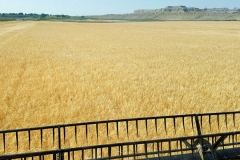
<point x="61" y="72"/>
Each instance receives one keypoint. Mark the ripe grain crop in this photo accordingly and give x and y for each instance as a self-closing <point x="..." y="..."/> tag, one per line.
<point x="57" y="72"/>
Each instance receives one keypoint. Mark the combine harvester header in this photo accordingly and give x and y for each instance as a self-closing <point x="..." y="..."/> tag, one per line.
<point x="192" y="136"/>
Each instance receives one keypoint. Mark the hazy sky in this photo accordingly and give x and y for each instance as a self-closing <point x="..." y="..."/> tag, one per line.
<point x="97" y="7"/>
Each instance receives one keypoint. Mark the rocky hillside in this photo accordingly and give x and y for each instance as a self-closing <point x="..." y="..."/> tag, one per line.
<point x="184" y="9"/>
<point x="175" y="13"/>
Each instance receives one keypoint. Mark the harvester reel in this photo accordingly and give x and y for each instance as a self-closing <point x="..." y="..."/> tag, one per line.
<point x="210" y="146"/>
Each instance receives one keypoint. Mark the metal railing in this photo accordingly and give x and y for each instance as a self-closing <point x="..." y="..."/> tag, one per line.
<point x="223" y="145"/>
<point x="58" y="137"/>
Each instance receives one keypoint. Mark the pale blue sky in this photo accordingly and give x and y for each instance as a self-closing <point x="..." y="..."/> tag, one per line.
<point x="99" y="7"/>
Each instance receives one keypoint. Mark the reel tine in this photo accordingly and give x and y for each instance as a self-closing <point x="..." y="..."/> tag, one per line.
<point x="181" y="148"/>
<point x="29" y="139"/>
<point x="234" y="120"/>
<point x="170" y="148"/>
<point x="174" y="123"/>
<point x="109" y="151"/>
<point x="107" y="128"/>
<point x="156" y="125"/>
<point x="83" y="154"/>
<point x="75" y="132"/>
<point x="233" y="141"/>
<point x="183" y="123"/>
<point x="146" y="123"/>
<point x="117" y="129"/>
<point x="97" y="130"/>
<point x="86" y="129"/>
<point x="127" y="127"/>
<point x="17" y="139"/>
<point x="158" y="149"/>
<point x="53" y="135"/>
<point x="64" y="134"/>
<point x="146" y="150"/>
<point x="226" y="120"/>
<point x="134" y="150"/>
<point x="137" y="127"/>
<point x="165" y="124"/>
<point x="59" y="136"/>
<point x="41" y="135"/>
<point x="201" y="120"/>
<point x="192" y="123"/>
<point x="209" y="120"/>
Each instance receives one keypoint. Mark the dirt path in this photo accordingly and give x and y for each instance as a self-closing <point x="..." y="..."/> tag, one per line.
<point x="10" y="30"/>
<point x="6" y="27"/>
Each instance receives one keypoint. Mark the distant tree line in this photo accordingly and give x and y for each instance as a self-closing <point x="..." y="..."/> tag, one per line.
<point x="50" y="15"/>
<point x="31" y="15"/>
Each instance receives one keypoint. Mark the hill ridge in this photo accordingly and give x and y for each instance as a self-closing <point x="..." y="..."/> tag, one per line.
<point x="184" y="9"/>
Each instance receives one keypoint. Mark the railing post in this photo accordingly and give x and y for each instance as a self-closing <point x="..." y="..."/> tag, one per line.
<point x="198" y="125"/>
<point x="4" y="142"/>
<point x="59" y="137"/>
<point x="60" y="154"/>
